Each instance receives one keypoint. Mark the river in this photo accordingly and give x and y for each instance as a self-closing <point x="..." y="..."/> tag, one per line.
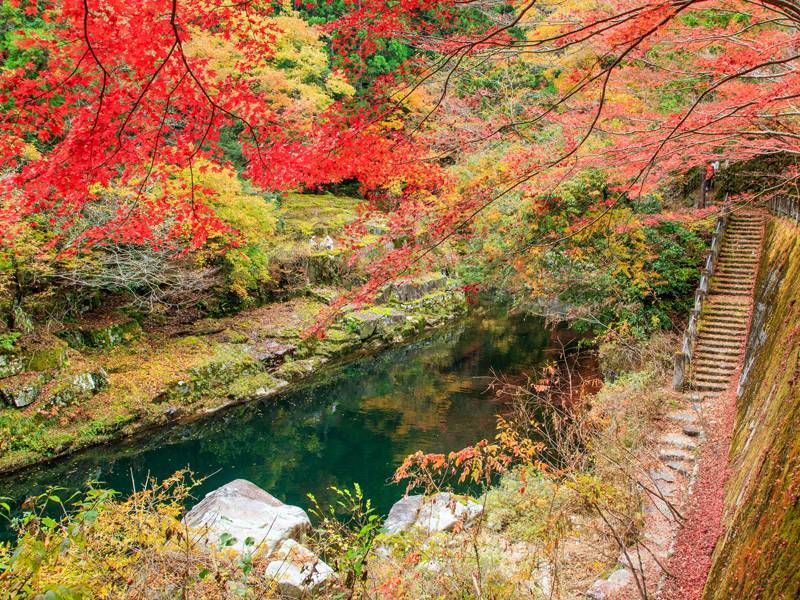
<point x="354" y="422"/>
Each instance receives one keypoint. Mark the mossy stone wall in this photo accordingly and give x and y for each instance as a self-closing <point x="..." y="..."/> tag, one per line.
<point x="759" y="554"/>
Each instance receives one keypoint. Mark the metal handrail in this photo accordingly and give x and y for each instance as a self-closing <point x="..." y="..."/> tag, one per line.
<point x="683" y="358"/>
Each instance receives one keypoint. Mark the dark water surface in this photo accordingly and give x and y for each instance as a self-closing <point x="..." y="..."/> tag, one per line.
<point x="353" y="423"/>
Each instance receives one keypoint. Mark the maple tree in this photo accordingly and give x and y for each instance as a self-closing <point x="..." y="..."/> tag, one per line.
<point x="109" y="104"/>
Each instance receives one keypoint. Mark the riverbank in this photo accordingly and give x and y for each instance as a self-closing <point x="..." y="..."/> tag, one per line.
<point x="112" y="376"/>
<point x="543" y="531"/>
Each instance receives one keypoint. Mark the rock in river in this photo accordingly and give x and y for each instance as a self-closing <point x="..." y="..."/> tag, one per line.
<point x="440" y="512"/>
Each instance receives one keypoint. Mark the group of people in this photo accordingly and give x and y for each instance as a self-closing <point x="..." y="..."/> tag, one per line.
<point x="325" y="244"/>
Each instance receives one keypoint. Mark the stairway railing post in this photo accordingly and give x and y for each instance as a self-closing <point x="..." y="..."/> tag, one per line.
<point x="679" y="376"/>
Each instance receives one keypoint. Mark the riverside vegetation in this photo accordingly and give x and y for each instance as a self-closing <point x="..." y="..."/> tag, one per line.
<point x="203" y="203"/>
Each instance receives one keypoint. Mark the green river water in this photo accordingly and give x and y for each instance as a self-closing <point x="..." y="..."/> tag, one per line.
<point x="354" y="422"/>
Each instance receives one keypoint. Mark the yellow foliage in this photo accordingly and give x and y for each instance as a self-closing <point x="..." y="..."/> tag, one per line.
<point x="296" y="78"/>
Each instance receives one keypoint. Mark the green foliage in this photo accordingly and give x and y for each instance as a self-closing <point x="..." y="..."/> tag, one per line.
<point x="632" y="268"/>
<point x="15" y="25"/>
<point x="7" y="340"/>
<point x="713" y="18"/>
<point x="346" y="532"/>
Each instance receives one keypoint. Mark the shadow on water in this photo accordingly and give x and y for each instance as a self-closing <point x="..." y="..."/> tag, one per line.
<point x="352" y="423"/>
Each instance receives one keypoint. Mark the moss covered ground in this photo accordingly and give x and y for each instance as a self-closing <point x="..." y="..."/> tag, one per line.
<point x="164" y="375"/>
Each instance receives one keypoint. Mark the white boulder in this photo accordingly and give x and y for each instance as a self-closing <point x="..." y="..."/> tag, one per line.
<point x="440" y="512"/>
<point x="242" y="516"/>
<point x="296" y="570"/>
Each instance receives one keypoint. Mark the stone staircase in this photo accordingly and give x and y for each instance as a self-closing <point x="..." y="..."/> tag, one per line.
<point x="669" y="476"/>
<point x="722" y="330"/>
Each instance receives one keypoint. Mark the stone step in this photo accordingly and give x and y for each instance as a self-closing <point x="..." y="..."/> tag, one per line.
<point x="715" y="362"/>
<point x="678" y="440"/>
<point x="723" y="330"/>
<point x="745" y="263"/>
<point x="727" y="302"/>
<point x="679" y="467"/>
<point x="736" y="282"/>
<point x="715" y="352"/>
<point x="744" y="270"/>
<point x="710" y="387"/>
<point x="733" y="284"/>
<point x="717" y="306"/>
<point x="723" y="271"/>
<point x="675" y="454"/>
<point x="738" y="327"/>
<point x="716" y="355"/>
<point x="745" y="251"/>
<point x="712" y="373"/>
<point x="721" y="378"/>
<point x="735" y="313"/>
<point x="709" y="349"/>
<point x="723" y="321"/>
<point x="709" y="360"/>
<point x="684" y="416"/>
<point x="692" y="431"/>
<point x="732" y="291"/>
<point x="738" y="260"/>
<point x="721" y="334"/>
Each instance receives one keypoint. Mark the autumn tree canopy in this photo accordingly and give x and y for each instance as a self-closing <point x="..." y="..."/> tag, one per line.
<point x="111" y="108"/>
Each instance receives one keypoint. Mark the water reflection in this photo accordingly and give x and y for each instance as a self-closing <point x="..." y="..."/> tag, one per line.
<point x="354" y="423"/>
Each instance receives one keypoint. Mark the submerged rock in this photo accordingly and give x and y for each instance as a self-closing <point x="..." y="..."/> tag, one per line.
<point x="440" y="512"/>
<point x="242" y="516"/>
